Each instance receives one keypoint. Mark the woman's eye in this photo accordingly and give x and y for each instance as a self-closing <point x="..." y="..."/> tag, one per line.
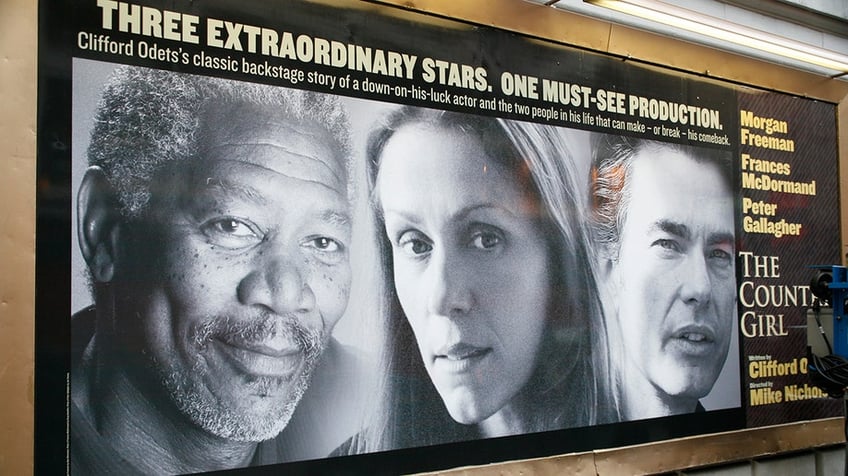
<point x="485" y="240"/>
<point x="414" y="243"/>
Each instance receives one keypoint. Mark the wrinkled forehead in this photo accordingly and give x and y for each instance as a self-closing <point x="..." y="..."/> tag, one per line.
<point x="271" y="138"/>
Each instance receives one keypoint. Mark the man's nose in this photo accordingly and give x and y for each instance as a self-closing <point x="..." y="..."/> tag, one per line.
<point x="448" y="287"/>
<point x="696" y="286"/>
<point x="278" y="284"/>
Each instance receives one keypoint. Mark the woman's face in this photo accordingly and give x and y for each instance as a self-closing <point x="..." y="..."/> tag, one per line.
<point x="470" y="266"/>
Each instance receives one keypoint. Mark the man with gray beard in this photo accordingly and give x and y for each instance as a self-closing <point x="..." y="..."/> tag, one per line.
<point x="214" y="221"/>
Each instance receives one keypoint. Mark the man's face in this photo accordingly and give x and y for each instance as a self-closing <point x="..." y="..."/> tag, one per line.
<point x="244" y="272"/>
<point x="674" y="281"/>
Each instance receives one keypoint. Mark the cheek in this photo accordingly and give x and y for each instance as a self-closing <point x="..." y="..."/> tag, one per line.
<point x="643" y="285"/>
<point x="725" y="299"/>
<point x="724" y="289"/>
<point x="411" y="290"/>
<point x="331" y="286"/>
<point x="517" y="305"/>
<point x="521" y="332"/>
<point x="199" y="276"/>
<point x="190" y="281"/>
<point x="631" y="292"/>
<point x="412" y="294"/>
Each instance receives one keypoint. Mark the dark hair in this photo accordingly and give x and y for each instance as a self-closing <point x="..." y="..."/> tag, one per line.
<point x="568" y="385"/>
<point x="612" y="163"/>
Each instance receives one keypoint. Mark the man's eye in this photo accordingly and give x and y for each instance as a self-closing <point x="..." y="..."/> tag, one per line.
<point x="719" y="253"/>
<point x="230" y="232"/>
<point x="670" y="245"/>
<point x="485" y="240"/>
<point x="231" y="226"/>
<point x="325" y="249"/>
<point x="413" y="243"/>
<point x="324" y="243"/>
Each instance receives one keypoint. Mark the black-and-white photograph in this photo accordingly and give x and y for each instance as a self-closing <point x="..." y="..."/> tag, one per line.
<point x="326" y="250"/>
<point x="494" y="325"/>
<point x="663" y="220"/>
<point x="269" y="275"/>
<point x="214" y="224"/>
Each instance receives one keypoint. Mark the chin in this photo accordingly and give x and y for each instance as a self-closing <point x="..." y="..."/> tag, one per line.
<point x="686" y="388"/>
<point x="465" y="413"/>
<point x="464" y="416"/>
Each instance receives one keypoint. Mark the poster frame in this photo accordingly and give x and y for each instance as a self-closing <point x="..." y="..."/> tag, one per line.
<point x="41" y="336"/>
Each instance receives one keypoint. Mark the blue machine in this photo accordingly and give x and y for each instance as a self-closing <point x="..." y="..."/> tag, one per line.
<point x="831" y="285"/>
<point x="830" y="373"/>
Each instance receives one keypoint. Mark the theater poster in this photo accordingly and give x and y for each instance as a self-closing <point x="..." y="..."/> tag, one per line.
<point x="342" y="237"/>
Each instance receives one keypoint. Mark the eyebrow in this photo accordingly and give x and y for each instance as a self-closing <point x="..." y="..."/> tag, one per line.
<point x="334" y="217"/>
<point x="682" y="231"/>
<point x="216" y="185"/>
<point x="248" y="193"/>
<point x="461" y="214"/>
<point x="673" y="228"/>
<point x="721" y="237"/>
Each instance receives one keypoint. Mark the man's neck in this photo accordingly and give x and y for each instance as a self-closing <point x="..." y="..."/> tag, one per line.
<point x="148" y="432"/>
<point x="642" y="399"/>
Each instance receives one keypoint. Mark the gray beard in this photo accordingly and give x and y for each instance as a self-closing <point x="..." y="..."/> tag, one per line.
<point x="195" y="401"/>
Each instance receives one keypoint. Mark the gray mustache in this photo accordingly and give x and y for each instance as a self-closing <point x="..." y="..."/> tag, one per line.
<point x="259" y="328"/>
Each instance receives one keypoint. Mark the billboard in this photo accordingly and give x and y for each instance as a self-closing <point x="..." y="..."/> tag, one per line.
<point x="312" y="235"/>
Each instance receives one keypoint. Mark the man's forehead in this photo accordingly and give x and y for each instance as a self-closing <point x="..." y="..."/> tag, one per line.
<point x="244" y="185"/>
<point x="674" y="192"/>
<point x="282" y="143"/>
<point x="712" y="232"/>
<point x="661" y="162"/>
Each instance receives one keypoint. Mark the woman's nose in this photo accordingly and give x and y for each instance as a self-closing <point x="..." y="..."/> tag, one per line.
<point x="449" y="286"/>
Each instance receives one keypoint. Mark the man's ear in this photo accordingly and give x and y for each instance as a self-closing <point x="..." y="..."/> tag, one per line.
<point x="98" y="222"/>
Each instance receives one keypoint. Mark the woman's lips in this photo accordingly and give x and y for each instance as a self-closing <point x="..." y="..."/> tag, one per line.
<point x="460" y="357"/>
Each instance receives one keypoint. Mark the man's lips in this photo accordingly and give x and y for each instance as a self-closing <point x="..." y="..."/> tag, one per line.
<point x="280" y="344"/>
<point x="276" y="356"/>
<point x="693" y="340"/>
<point x="695" y="334"/>
<point x="694" y="337"/>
